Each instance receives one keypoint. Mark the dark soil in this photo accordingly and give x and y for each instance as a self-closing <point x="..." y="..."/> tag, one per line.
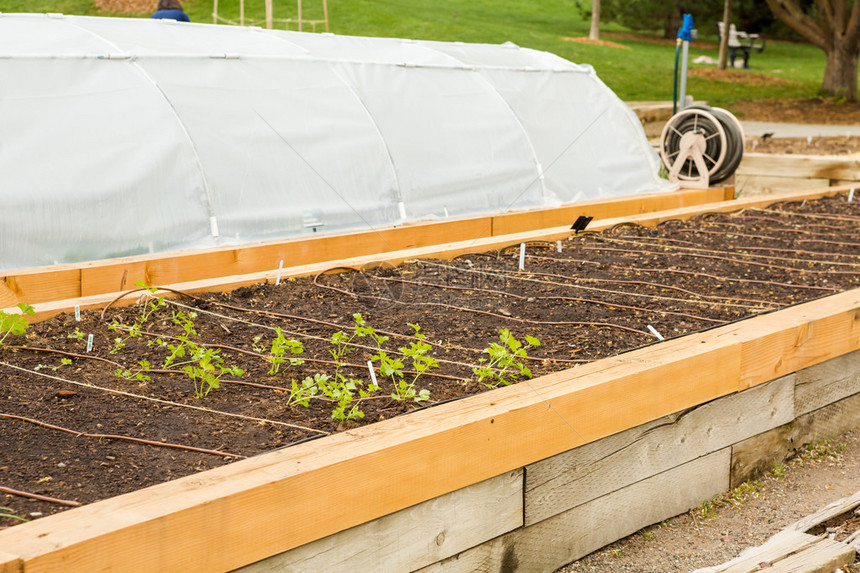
<point x="594" y="299"/>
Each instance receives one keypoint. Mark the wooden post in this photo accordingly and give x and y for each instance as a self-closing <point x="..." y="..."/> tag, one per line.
<point x="269" y="14"/>
<point x="724" y="38"/>
<point x="215" y="12"/>
<point x="300" y="15"/>
<point x="325" y="14"/>
<point x="594" y="33"/>
<point x="241" y="12"/>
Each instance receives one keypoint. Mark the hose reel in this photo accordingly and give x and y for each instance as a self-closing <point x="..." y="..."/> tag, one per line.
<point x="701" y="146"/>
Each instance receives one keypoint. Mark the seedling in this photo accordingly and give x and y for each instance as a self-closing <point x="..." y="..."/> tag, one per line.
<point x="139" y="375"/>
<point x="147" y="310"/>
<point x="506" y="364"/>
<point x="280" y="347"/>
<point x="204" y="366"/>
<point x="63" y="362"/>
<point x="393" y="368"/>
<point x="15" y="324"/>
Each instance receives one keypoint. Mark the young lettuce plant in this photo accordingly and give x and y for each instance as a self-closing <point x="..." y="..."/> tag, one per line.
<point x="505" y="365"/>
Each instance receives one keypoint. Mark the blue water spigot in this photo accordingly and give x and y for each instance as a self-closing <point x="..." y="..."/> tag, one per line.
<point x="686" y="31"/>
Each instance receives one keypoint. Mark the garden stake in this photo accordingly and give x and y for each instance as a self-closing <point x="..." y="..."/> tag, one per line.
<point x="280" y="269"/>
<point x="89" y="343"/>
<point x="558" y="245"/>
<point x="78" y="312"/>
<point x="372" y="373"/>
<point x="851" y="195"/>
<point x="655" y="333"/>
<point x="522" y="256"/>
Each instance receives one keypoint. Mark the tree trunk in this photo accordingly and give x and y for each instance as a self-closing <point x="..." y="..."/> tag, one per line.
<point x="724" y="39"/>
<point x="840" y="74"/>
<point x="594" y="33"/>
<point x="673" y="22"/>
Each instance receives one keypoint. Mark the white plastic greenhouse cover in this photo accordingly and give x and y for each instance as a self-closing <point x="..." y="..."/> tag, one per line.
<point x="127" y="136"/>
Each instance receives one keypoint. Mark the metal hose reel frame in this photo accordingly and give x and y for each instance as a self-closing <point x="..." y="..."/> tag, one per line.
<point x="701" y="146"/>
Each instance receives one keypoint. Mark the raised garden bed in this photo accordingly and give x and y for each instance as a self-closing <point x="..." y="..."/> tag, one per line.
<point x="561" y="342"/>
<point x="601" y="295"/>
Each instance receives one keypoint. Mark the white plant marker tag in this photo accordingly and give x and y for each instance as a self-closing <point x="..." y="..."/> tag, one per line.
<point x="280" y="269"/>
<point x="402" y="208"/>
<point x="89" y="342"/>
<point x="803" y="204"/>
<point x="851" y="195"/>
<point x="446" y="212"/>
<point x="213" y="226"/>
<point x="372" y="373"/>
<point x="522" y="256"/>
<point x="808" y="140"/>
<point x="655" y="333"/>
<point x="558" y="245"/>
<point x="77" y="313"/>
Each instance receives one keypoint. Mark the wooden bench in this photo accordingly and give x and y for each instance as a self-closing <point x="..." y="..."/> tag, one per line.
<point x="741" y="43"/>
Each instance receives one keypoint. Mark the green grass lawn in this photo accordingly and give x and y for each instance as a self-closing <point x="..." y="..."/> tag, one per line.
<point x="642" y="72"/>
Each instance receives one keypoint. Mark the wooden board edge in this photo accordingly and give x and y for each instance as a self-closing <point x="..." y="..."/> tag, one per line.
<point x="10" y="563"/>
<point x="47" y="284"/>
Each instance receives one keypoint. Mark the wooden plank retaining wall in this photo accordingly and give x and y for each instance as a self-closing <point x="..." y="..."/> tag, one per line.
<point x="766" y="173"/>
<point x="566" y="506"/>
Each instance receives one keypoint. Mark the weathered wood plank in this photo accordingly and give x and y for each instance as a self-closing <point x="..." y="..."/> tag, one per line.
<point x="564" y="481"/>
<point x="577" y="532"/>
<point x="825" y="556"/>
<point x="761" y="453"/>
<point x="823" y="384"/>
<point x="804" y="166"/>
<point x="773" y="549"/>
<point x="415" y="537"/>
<point x="753" y="185"/>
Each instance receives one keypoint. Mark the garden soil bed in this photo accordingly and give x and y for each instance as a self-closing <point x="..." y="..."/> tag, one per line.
<point x="603" y="294"/>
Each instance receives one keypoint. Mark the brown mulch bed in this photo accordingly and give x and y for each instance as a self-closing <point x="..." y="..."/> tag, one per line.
<point x="738" y="77"/>
<point x="594" y="299"/>
<point x="605" y="43"/>
<point x="823" y="111"/>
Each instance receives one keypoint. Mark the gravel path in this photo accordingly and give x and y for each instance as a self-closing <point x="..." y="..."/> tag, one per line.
<point x="718" y="531"/>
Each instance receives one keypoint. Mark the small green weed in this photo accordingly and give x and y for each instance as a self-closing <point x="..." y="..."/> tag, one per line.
<point x="10" y="513"/>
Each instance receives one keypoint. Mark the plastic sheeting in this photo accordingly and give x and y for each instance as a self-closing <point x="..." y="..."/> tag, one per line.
<point x="129" y="136"/>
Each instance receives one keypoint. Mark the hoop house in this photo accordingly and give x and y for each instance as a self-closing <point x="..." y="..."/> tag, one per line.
<point x="128" y="136"/>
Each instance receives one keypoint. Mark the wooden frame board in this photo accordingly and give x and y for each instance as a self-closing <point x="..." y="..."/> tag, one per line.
<point x="84" y="280"/>
<point x="51" y="290"/>
<point x="283" y="499"/>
